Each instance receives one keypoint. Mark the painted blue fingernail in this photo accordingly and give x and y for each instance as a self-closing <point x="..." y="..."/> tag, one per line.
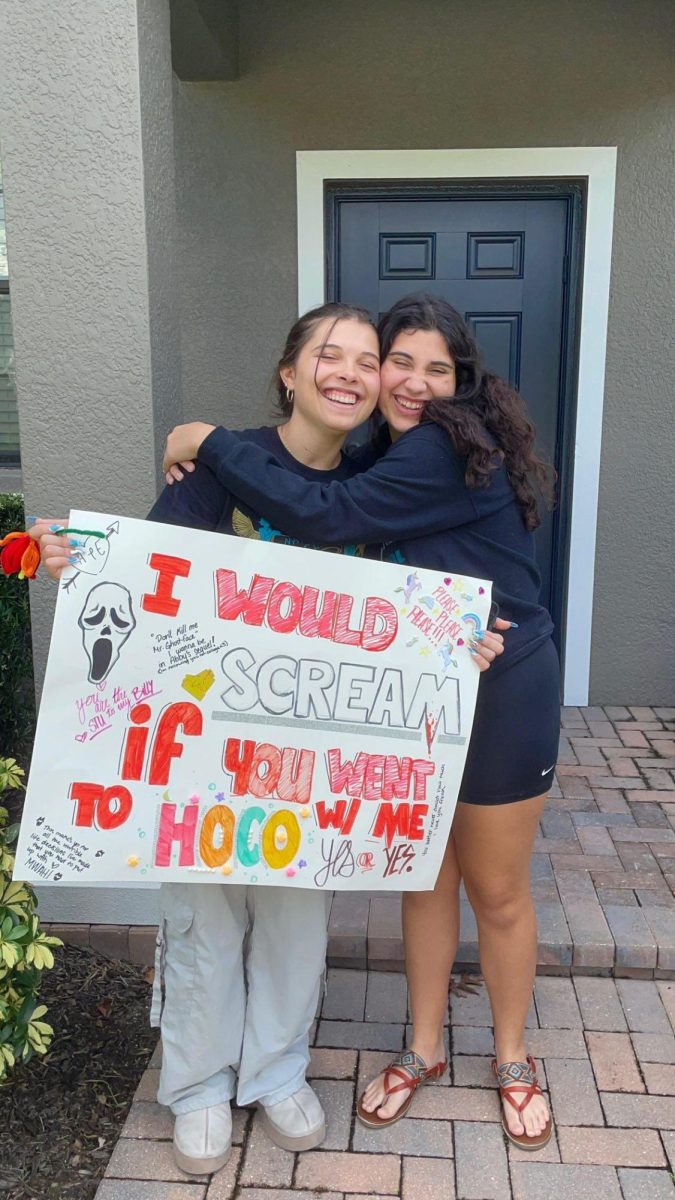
<point x="472" y="650"/>
<point x="73" y="558"/>
<point x="31" y="520"/>
<point x="55" y="528"/>
<point x="479" y="635"/>
<point x="515" y="625"/>
<point x="75" y="541"/>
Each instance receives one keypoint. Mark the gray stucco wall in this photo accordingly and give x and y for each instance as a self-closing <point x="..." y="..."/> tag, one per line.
<point x="447" y="73"/>
<point x="90" y="202"/>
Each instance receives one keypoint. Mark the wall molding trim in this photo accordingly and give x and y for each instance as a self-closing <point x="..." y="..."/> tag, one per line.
<point x="597" y="166"/>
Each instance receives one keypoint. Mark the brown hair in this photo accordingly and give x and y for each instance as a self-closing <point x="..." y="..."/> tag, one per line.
<point x="486" y="418"/>
<point x="300" y="334"/>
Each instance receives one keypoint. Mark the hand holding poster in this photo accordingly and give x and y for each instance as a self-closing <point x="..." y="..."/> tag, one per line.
<point x="222" y="709"/>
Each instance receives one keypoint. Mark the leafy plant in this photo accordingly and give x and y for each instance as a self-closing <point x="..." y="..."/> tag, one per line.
<point x="17" y="700"/>
<point x="25" y="951"/>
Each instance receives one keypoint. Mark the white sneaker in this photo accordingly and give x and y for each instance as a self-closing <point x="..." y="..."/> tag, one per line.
<point x="202" y="1140"/>
<point x="296" y="1123"/>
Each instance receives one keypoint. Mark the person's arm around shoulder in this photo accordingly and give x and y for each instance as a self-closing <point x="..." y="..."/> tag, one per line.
<point x="195" y="503"/>
<point x="416" y="488"/>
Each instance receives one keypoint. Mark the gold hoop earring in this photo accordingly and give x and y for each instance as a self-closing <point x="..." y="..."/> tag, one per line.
<point x="290" y="395"/>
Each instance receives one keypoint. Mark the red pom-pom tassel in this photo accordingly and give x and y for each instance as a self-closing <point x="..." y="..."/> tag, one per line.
<point x="19" y="555"/>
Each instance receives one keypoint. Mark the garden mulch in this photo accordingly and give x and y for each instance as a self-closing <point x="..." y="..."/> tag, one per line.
<point x="61" y="1114"/>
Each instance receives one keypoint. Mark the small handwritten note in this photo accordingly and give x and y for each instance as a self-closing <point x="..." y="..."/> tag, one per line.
<point x="51" y="854"/>
<point x="182" y="646"/>
<point x="97" y="710"/>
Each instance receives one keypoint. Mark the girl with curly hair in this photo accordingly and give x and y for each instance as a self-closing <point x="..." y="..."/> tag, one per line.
<point x="455" y="488"/>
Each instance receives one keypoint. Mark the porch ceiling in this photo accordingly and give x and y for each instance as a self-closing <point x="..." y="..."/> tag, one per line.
<point x="204" y="40"/>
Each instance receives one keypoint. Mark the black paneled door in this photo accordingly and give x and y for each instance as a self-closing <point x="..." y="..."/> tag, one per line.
<point x="502" y="259"/>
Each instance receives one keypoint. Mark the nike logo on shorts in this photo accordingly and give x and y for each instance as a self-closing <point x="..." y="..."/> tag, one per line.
<point x="548" y="770"/>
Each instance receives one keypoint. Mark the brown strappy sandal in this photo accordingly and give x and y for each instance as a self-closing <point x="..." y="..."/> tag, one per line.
<point x="521" y="1077"/>
<point x="412" y="1071"/>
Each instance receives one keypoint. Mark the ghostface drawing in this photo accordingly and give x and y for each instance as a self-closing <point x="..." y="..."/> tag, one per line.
<point x="106" y="621"/>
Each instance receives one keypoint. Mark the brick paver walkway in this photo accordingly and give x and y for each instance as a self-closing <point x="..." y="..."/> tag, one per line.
<point x="604" y="865"/>
<point x="607" y="1053"/>
<point x="604" y="883"/>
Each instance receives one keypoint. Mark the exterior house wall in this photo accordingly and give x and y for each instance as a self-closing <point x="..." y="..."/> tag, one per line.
<point x="443" y="73"/>
<point x="88" y="171"/>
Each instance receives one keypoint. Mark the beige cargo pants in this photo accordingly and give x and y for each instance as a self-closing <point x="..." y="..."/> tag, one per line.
<point x="240" y="969"/>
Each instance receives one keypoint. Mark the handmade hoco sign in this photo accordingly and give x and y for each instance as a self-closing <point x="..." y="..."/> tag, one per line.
<point x="230" y="710"/>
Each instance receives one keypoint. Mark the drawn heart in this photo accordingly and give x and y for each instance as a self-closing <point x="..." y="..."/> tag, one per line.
<point x="92" y="556"/>
<point x="198" y="685"/>
<point x="80" y="737"/>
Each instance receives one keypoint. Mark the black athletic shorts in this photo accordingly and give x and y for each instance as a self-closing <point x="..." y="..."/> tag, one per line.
<point x="514" y="740"/>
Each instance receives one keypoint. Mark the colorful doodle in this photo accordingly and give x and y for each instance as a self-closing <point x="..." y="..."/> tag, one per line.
<point x="473" y="621"/>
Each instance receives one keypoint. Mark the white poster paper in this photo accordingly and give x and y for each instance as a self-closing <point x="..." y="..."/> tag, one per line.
<point x="222" y="709"/>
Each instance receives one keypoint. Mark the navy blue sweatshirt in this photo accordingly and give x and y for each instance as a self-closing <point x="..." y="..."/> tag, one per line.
<point x="201" y="501"/>
<point x="414" y="501"/>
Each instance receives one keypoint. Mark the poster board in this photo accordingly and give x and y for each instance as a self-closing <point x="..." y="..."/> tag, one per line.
<point x="227" y="710"/>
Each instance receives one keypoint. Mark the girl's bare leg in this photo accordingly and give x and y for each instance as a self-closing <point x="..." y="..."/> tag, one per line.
<point x="493" y="846"/>
<point x="430" y="934"/>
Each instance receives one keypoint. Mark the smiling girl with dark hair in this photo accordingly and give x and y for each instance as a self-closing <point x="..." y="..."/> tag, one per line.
<point x="487" y="420"/>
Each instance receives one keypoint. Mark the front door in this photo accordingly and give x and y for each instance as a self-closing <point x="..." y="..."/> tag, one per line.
<point x="502" y="257"/>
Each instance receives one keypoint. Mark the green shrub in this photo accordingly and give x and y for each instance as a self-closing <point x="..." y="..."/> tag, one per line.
<point x="25" y="952"/>
<point x="17" y="696"/>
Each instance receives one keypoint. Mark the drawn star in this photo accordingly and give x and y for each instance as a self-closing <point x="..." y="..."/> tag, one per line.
<point x="425" y="652"/>
<point x="220" y="797"/>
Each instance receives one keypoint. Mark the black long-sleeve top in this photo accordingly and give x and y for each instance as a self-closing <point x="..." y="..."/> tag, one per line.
<point x="414" y="501"/>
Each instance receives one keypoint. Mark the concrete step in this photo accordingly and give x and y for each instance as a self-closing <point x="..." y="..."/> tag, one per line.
<point x="639" y="943"/>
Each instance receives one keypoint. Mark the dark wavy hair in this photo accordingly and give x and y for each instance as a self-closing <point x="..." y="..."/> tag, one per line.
<point x="486" y="418"/>
<point x="300" y="333"/>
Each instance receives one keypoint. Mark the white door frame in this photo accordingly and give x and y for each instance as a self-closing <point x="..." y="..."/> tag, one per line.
<point x="595" y="164"/>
